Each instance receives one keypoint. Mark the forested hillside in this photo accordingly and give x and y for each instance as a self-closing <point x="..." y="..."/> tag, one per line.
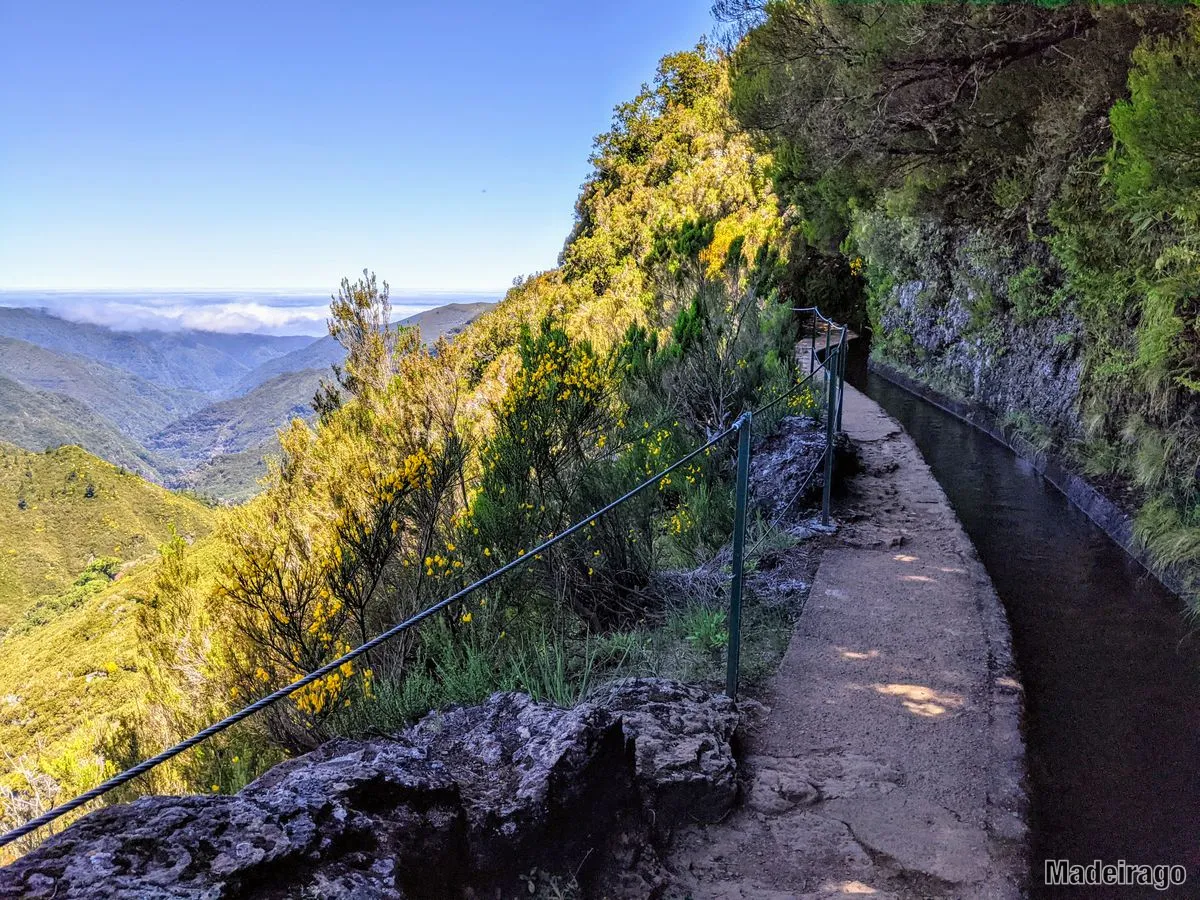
<point x="119" y="394"/>
<point x="204" y="361"/>
<point x="240" y="423"/>
<point x="428" y="466"/>
<point x="1020" y="184"/>
<point x="135" y="406"/>
<point x="65" y="509"/>
<point x="35" y="419"/>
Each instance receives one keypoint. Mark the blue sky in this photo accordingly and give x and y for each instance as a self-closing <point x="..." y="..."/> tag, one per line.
<point x="279" y="146"/>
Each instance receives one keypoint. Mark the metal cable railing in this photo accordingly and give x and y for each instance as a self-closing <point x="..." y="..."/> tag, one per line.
<point x="742" y="427"/>
<point x="274" y="697"/>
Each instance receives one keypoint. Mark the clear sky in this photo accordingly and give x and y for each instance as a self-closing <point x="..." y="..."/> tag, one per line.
<point x="281" y="145"/>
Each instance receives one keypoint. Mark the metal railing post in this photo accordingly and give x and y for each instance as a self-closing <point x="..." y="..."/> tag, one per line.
<point x="841" y="377"/>
<point x="741" y="494"/>
<point x="830" y="413"/>
<point x="828" y="328"/>
<point x="812" y="345"/>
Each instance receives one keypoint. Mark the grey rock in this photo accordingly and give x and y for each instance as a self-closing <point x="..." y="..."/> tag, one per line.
<point x="782" y="462"/>
<point x="683" y="738"/>
<point x="463" y="802"/>
<point x="963" y="336"/>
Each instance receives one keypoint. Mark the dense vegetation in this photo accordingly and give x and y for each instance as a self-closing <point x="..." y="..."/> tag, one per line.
<point x="64" y="509"/>
<point x="1028" y="170"/>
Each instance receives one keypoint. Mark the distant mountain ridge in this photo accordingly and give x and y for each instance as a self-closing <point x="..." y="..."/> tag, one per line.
<point x="40" y="420"/>
<point x="190" y="409"/>
<point x="204" y="361"/>
<point x="137" y="407"/>
<point x="239" y="423"/>
<point x="441" y="321"/>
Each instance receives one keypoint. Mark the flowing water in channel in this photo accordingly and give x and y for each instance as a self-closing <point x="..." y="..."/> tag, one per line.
<point x="1110" y="665"/>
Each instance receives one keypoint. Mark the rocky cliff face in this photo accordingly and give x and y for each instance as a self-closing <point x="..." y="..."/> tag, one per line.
<point x="463" y="804"/>
<point x="978" y="319"/>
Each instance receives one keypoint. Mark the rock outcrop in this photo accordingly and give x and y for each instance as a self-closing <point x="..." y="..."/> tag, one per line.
<point x="980" y="321"/>
<point x="462" y="804"/>
<point x="783" y="461"/>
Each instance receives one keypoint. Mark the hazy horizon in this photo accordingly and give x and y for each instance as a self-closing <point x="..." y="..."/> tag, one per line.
<point x="276" y="312"/>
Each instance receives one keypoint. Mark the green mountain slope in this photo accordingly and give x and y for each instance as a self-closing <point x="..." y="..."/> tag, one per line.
<point x="320" y="354"/>
<point x="117" y="394"/>
<point x="441" y="321"/>
<point x="240" y="423"/>
<point x="232" y="477"/>
<point x="64" y="683"/>
<point x="40" y="420"/>
<point x="134" y="405"/>
<point x="60" y="509"/>
<point x="195" y="360"/>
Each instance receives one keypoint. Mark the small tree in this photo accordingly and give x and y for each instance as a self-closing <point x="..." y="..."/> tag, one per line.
<point x="360" y="320"/>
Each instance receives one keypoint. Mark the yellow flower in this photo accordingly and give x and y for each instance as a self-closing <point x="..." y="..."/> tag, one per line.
<point x="216" y="787"/>
<point x="466" y="618"/>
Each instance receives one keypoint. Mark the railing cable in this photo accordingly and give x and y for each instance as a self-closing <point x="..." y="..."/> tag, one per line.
<point x="229" y="721"/>
<point x="742" y="424"/>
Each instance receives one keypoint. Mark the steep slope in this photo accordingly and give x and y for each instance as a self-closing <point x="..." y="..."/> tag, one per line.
<point x="320" y="354"/>
<point x="240" y="423"/>
<point x="41" y="420"/>
<point x="60" y="509"/>
<point x="1027" y="247"/>
<point x="66" y="682"/>
<point x="231" y="477"/>
<point x="195" y="360"/>
<point x="441" y="321"/>
<point x="134" y="405"/>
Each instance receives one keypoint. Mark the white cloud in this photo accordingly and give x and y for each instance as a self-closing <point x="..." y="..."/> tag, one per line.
<point x="226" y="312"/>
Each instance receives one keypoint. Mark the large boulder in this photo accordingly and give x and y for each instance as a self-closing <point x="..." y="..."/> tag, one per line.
<point x="461" y="804"/>
<point x="683" y="740"/>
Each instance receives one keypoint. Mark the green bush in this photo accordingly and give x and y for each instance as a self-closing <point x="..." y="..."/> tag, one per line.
<point x="1030" y="297"/>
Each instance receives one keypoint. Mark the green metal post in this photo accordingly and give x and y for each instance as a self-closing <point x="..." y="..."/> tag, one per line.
<point x="741" y="493"/>
<point x="830" y="413"/>
<point x="812" y="345"/>
<point x="841" y="377"/>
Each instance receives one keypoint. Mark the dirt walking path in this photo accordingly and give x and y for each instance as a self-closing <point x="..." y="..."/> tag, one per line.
<point x="891" y="762"/>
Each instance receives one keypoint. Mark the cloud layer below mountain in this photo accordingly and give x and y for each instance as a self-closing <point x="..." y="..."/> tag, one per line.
<point x="261" y="313"/>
